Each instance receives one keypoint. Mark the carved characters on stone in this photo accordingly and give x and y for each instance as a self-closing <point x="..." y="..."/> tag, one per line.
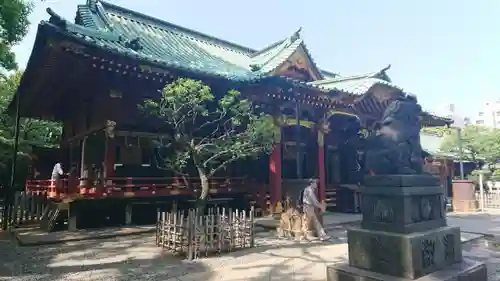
<point x="449" y="246"/>
<point x="395" y="148"/>
<point x="360" y="249"/>
<point x="383" y="212"/>
<point x="428" y="253"/>
<point x="382" y="252"/>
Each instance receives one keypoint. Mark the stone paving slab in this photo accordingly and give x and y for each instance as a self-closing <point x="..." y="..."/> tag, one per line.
<point x="487" y="251"/>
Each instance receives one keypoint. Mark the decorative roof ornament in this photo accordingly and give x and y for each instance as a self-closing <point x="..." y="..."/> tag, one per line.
<point x="92" y="4"/>
<point x="382" y="74"/>
<point x="255" y="67"/>
<point x="56" y="19"/>
<point x="296" y="34"/>
<point x="134" y="44"/>
<point x="386" y="68"/>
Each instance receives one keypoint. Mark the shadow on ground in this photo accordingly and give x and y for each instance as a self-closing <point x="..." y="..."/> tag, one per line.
<point x="122" y="258"/>
<point x="280" y="259"/>
<point x="138" y="258"/>
<point x="304" y="261"/>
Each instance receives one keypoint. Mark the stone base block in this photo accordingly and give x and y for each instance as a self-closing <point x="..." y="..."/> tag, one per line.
<point x="467" y="270"/>
<point x="404" y="255"/>
<point x="402" y="203"/>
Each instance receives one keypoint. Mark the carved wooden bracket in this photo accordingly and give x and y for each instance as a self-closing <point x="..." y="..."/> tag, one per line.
<point x="110" y="128"/>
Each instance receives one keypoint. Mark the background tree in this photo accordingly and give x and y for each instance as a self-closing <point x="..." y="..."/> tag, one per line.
<point x="13" y="27"/>
<point x="438" y="131"/>
<point x="32" y="132"/>
<point x="490" y="147"/>
<point x="206" y="132"/>
<point x="478" y="142"/>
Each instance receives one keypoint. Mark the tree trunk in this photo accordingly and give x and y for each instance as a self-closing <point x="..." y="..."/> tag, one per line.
<point x="205" y="188"/>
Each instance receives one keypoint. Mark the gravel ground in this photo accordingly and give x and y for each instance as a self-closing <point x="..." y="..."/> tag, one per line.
<point x="121" y="258"/>
<point x="138" y="258"/>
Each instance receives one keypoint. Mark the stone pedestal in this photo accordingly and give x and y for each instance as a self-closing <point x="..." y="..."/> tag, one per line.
<point x="404" y="235"/>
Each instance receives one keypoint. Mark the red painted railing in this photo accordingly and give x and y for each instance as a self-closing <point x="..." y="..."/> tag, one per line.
<point x="136" y="186"/>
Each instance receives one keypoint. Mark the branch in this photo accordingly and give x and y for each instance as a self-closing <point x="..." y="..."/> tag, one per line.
<point x="222" y="165"/>
<point x="216" y="120"/>
<point x="243" y="154"/>
<point x="215" y="156"/>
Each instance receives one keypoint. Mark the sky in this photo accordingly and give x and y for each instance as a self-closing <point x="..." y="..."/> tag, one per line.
<point x="442" y="51"/>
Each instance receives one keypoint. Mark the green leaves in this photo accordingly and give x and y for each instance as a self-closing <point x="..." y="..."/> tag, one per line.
<point x="13" y="27"/>
<point x="479" y="143"/>
<point x="437" y="131"/>
<point x="206" y="131"/>
<point x="32" y="132"/>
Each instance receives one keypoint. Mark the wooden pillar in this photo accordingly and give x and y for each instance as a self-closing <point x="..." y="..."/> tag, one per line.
<point x="109" y="160"/>
<point x="73" y="215"/>
<point x="128" y="213"/>
<point x="321" y="168"/>
<point x="275" y="174"/>
<point x="84" y="170"/>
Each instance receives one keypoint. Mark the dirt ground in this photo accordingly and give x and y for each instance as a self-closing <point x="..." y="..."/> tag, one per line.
<point x="138" y="258"/>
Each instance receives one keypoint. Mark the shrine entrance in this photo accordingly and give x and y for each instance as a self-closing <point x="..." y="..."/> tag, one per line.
<point x="343" y="163"/>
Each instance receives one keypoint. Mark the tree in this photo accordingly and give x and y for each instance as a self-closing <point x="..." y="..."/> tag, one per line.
<point x="438" y="131"/>
<point x="479" y="143"/>
<point x="32" y="132"/>
<point x="13" y="27"/>
<point x="490" y="147"/>
<point x="206" y="132"/>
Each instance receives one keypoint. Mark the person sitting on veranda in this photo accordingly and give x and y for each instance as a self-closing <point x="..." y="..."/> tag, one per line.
<point x="310" y="204"/>
<point x="57" y="172"/>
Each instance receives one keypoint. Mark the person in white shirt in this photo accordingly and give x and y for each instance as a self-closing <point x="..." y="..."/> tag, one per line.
<point x="310" y="203"/>
<point x="57" y="171"/>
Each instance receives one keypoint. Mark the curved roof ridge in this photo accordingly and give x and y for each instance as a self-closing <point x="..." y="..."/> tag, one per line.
<point x="273" y="53"/>
<point x="81" y="30"/>
<point x="381" y="75"/>
<point x="160" y="23"/>
<point x="268" y="47"/>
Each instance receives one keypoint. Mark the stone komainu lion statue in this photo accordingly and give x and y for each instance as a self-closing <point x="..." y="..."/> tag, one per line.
<point x="395" y="148"/>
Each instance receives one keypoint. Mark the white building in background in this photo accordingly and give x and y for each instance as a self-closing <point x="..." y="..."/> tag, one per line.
<point x="459" y="120"/>
<point x="488" y="115"/>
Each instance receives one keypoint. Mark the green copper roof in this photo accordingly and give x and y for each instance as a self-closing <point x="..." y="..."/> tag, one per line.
<point x="358" y="84"/>
<point x="273" y="56"/>
<point x="431" y="143"/>
<point x="114" y="27"/>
